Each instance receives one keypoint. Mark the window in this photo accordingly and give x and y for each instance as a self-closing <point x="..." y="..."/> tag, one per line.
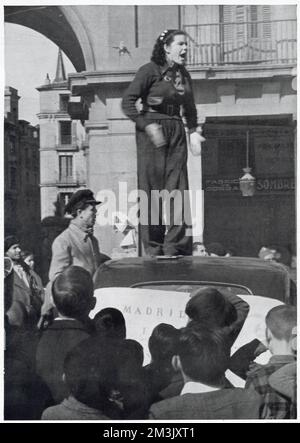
<point x="63" y="102"/>
<point x="13" y="178"/>
<point x="237" y="17"/>
<point x="65" y="133"/>
<point x="65" y="168"/>
<point x="247" y="33"/>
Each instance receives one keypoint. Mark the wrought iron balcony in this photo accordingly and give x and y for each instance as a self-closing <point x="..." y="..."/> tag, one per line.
<point x="67" y="180"/>
<point x="241" y="43"/>
<point x="66" y="139"/>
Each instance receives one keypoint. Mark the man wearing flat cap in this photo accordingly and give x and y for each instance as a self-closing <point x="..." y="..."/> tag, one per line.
<point x="76" y="245"/>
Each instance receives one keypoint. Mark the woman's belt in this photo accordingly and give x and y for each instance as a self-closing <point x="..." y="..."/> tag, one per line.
<point x="164" y="108"/>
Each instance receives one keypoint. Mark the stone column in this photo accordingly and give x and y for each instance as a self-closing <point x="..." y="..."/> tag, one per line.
<point x="196" y="193"/>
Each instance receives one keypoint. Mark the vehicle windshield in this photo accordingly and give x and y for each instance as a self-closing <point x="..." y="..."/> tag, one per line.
<point x="180" y="286"/>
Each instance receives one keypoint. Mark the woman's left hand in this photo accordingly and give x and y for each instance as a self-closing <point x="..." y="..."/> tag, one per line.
<point x="195" y="143"/>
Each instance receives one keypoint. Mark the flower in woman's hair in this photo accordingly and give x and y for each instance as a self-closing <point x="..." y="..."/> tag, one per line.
<point x="163" y="34"/>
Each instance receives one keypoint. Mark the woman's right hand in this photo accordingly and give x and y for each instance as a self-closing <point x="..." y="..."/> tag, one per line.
<point x="155" y="133"/>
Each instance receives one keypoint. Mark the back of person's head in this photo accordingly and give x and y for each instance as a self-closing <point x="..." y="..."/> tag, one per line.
<point x="90" y="371"/>
<point x="130" y="357"/>
<point x="131" y="379"/>
<point x="231" y="252"/>
<point x="163" y="343"/>
<point x="282" y="255"/>
<point x="281" y="321"/>
<point x="110" y="322"/>
<point x="25" y="253"/>
<point x="133" y="350"/>
<point x="208" y="305"/>
<point x="216" y="249"/>
<point x="267" y="253"/>
<point x="72" y="292"/>
<point x="204" y="354"/>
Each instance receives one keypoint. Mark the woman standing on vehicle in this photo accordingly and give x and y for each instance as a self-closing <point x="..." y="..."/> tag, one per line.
<point x="165" y="89"/>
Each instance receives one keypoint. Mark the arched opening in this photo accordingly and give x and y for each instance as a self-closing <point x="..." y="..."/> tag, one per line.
<point x="29" y="57"/>
<point x="51" y="21"/>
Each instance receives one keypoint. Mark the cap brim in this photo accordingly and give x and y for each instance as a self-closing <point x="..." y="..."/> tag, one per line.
<point x="93" y="202"/>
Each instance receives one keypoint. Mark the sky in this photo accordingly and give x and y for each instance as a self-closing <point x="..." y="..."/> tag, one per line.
<point x="28" y="57"/>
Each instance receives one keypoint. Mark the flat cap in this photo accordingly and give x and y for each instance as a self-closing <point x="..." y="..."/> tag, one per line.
<point x="81" y="196"/>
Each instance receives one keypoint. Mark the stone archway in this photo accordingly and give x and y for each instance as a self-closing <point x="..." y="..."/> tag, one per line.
<point x="62" y="25"/>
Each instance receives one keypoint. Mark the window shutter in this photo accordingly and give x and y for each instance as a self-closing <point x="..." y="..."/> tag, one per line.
<point x="266" y="16"/>
<point x="253" y="20"/>
<point x="228" y="18"/>
<point x="235" y="14"/>
<point x="73" y="132"/>
<point x="240" y="18"/>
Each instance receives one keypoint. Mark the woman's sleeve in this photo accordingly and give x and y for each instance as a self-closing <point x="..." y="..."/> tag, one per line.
<point x="189" y="107"/>
<point x="137" y="89"/>
<point x="242" y="310"/>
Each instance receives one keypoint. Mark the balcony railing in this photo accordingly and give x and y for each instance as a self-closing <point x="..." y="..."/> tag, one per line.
<point x="67" y="180"/>
<point x="66" y="139"/>
<point x="260" y="42"/>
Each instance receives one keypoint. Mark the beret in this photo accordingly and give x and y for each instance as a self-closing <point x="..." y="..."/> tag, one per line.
<point x="10" y="241"/>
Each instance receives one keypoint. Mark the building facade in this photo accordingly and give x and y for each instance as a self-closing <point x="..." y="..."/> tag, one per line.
<point x="21" y="175"/>
<point x="63" y="159"/>
<point x="242" y="60"/>
<point x="63" y="153"/>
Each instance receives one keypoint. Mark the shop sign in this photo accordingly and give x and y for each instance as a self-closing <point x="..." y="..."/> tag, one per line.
<point x="262" y="185"/>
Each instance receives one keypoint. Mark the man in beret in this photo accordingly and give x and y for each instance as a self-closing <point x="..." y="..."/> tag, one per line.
<point x="76" y="245"/>
<point x="27" y="291"/>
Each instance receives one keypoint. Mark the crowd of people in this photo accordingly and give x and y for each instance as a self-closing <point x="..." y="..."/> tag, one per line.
<point x="82" y="369"/>
<point x="61" y="365"/>
<point x="274" y="253"/>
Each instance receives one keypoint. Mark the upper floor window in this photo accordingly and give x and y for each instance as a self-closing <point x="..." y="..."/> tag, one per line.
<point x="65" y="167"/>
<point x="65" y="129"/>
<point x="63" y="102"/>
<point x="243" y="22"/>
